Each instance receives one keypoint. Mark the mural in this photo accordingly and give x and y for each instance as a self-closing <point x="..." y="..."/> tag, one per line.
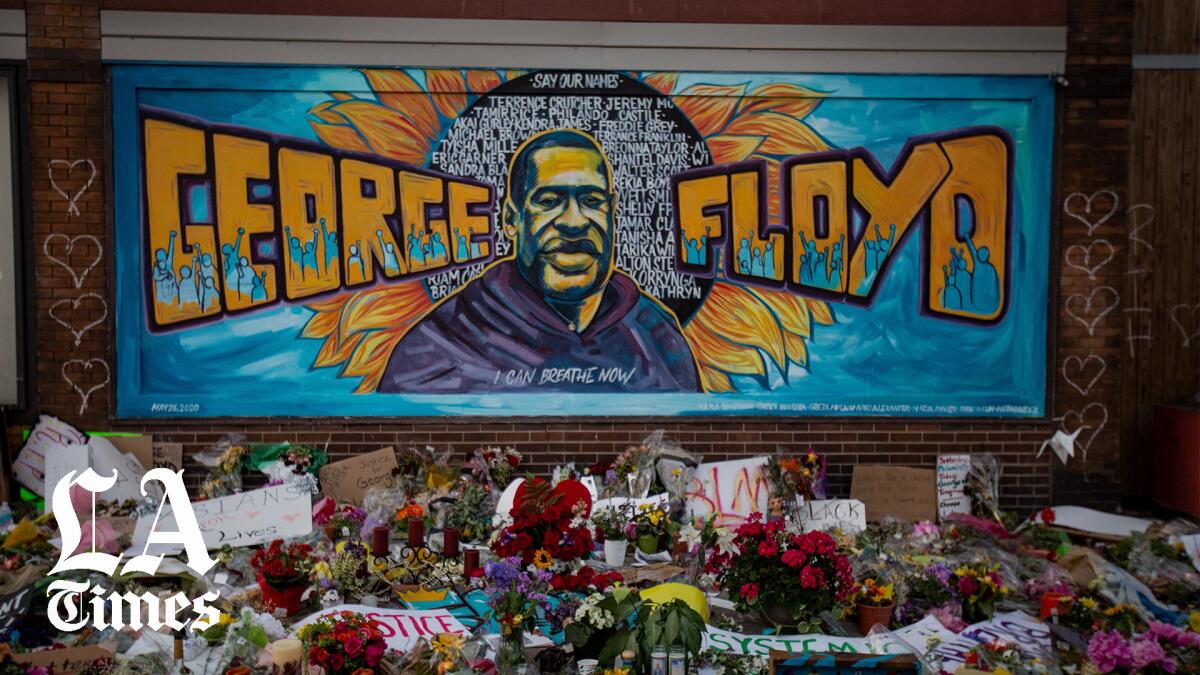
<point x="328" y="241"/>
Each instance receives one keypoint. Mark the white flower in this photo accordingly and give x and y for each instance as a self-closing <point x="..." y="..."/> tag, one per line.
<point x="725" y="542"/>
<point x="689" y="535"/>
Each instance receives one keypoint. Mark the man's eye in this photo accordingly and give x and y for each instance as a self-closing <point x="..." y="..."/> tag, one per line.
<point x="548" y="200"/>
<point x="593" y="202"/>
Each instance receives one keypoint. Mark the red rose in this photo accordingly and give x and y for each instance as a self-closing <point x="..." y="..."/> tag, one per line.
<point x="1048" y="515"/>
<point x="513" y="461"/>
<point x="749" y="592"/>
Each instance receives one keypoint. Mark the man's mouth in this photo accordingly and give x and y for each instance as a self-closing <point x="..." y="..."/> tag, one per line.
<point x="570" y="256"/>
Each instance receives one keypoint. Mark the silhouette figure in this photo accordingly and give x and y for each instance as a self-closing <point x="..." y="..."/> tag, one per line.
<point x="356" y="257"/>
<point x="165" y="288"/>
<point x="391" y="264"/>
<point x="985" y="282"/>
<point x="329" y="239"/>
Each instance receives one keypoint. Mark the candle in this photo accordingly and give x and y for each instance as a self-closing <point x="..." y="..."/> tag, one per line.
<point x="416" y="532"/>
<point x="470" y="561"/>
<point x="286" y="655"/>
<point x="379" y="541"/>
<point x="450" y="542"/>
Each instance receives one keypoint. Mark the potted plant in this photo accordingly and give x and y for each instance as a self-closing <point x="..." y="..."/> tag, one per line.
<point x="282" y="572"/>
<point x="787" y="577"/>
<point x="652" y="524"/>
<point x="600" y="618"/>
<point x="344" y="643"/>
<point x="874" y="603"/>
<point x="614" y="525"/>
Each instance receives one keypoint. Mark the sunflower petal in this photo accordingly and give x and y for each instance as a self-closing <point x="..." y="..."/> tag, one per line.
<point x="782" y="97"/>
<point x="714" y="351"/>
<point x="784" y="135"/>
<point x="449" y="91"/>
<point x="335" y="352"/>
<point x="663" y="82"/>
<point x="822" y="313"/>
<point x="398" y="90"/>
<point x="370" y="360"/>
<point x="714" y="381"/>
<point x="482" y="81"/>
<point x="392" y="306"/>
<point x="797" y="350"/>
<point x="737" y="315"/>
<point x="341" y="95"/>
<point x="386" y="131"/>
<point x="726" y="149"/>
<point x="790" y="310"/>
<point x="339" y="136"/>
<point x="323" y="322"/>
<point x="709" y="106"/>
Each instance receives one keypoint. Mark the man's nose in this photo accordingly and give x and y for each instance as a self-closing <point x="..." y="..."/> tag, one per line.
<point x="572" y="217"/>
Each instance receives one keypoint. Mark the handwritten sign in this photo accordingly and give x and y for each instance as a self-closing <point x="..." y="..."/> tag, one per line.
<point x="730" y="490"/>
<point x="847" y="515"/>
<point x="762" y="645"/>
<point x="245" y="519"/>
<point x="952" y="473"/>
<point x="49" y="433"/>
<point x="14" y="606"/>
<point x="64" y="661"/>
<point x="898" y="491"/>
<point x="401" y="627"/>
<point x="168" y="455"/>
<point x="350" y="479"/>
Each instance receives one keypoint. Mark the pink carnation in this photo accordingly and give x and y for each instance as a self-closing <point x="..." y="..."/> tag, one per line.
<point x="1146" y="652"/>
<point x="1108" y="650"/>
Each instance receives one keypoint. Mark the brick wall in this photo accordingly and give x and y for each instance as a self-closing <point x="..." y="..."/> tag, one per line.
<point x="68" y="126"/>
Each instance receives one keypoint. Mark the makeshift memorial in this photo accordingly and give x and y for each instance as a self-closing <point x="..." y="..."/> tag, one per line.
<point x="652" y="526"/>
<point x="344" y="643"/>
<point x="549" y="529"/>
<point x="282" y="572"/>
<point x="515" y="597"/>
<point x="789" y="578"/>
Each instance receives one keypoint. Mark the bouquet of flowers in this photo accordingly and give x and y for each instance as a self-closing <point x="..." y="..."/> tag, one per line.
<point x="344" y="643"/>
<point x="652" y="524"/>
<point x="978" y="586"/>
<point x="598" y="618"/>
<point x="633" y="471"/>
<point x="1003" y="656"/>
<point x="345" y="522"/>
<point x="545" y="531"/>
<point x="353" y="569"/>
<point x="802" y="476"/>
<point x="872" y="593"/>
<point x="411" y="509"/>
<point x="494" y="466"/>
<point x="1162" y="648"/>
<point x="790" y="578"/>
<point x="514" y="596"/>
<point x="614" y="523"/>
<point x="225" y="470"/>
<point x="471" y="513"/>
<point x="283" y="572"/>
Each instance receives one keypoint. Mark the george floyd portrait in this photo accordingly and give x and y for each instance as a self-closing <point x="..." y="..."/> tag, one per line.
<point x="557" y="315"/>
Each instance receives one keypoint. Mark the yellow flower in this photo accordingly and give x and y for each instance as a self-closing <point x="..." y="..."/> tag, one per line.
<point x="1194" y="621"/>
<point x="1089" y="603"/>
<point x="225" y="619"/>
<point x="542" y="559"/>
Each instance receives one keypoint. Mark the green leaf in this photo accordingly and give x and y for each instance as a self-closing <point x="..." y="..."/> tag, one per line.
<point x="672" y="626"/>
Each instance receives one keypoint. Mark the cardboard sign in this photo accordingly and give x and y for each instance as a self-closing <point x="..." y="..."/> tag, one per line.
<point x="401" y="627"/>
<point x="141" y="447"/>
<point x="350" y="479"/>
<point x="847" y="515"/>
<point x="952" y="473"/>
<point x="64" y="661"/>
<point x="244" y="519"/>
<point x="899" y="491"/>
<point x="730" y="490"/>
<point x="49" y="433"/>
<point x="14" y="606"/>
<point x="104" y="458"/>
<point x="168" y="456"/>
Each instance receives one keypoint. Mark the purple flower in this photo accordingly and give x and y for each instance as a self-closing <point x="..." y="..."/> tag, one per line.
<point x="1165" y="632"/>
<point x="1108" y="650"/>
<point x="502" y="572"/>
<point x="1146" y="652"/>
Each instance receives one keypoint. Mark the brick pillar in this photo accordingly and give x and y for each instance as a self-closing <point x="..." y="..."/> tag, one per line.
<point x="70" y="251"/>
<point x="1095" y="149"/>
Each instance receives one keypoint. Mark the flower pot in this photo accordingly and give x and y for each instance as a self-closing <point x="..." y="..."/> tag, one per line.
<point x="778" y="615"/>
<point x="869" y="615"/>
<point x="286" y="598"/>
<point x="614" y="552"/>
<point x="648" y="543"/>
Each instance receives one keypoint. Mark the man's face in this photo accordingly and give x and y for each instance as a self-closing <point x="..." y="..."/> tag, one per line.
<point x="563" y="224"/>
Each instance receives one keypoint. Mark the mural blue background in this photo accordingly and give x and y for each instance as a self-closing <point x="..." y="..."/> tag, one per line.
<point x="887" y="359"/>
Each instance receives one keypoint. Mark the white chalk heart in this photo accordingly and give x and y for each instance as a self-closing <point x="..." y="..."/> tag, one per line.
<point x="1089" y="215"/>
<point x="1085" y="256"/>
<point x="1089" y="302"/>
<point x="1085" y="422"/>
<point x="69" y="167"/>
<point x="66" y="264"/>
<point x="1081" y="367"/>
<point x="85" y="394"/>
<point x="75" y="305"/>
<point x="1194" y="310"/>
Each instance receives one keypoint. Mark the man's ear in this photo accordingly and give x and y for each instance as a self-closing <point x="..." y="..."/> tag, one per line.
<point x="510" y="220"/>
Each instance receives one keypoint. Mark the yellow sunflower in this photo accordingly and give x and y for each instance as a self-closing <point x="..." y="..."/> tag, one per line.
<point x="542" y="559"/>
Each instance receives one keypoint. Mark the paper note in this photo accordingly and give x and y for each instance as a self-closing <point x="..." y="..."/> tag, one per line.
<point x="952" y="473"/>
<point x="903" y="492"/>
<point x="49" y="433"/>
<point x="168" y="456"/>
<point x="847" y="515"/>
<point x="244" y="519"/>
<point x="350" y="479"/>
